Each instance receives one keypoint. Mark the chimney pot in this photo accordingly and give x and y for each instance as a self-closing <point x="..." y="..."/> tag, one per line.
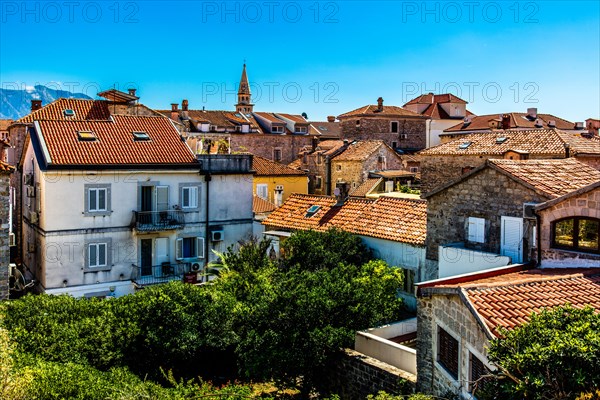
<point x="380" y="103"/>
<point x="532" y="112"/>
<point x="131" y="91"/>
<point x="505" y="121"/>
<point x="36" y="105"/>
<point x="330" y="118"/>
<point x="174" y="107"/>
<point x="184" y="105"/>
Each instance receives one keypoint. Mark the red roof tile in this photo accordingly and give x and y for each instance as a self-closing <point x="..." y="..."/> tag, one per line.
<point x="517" y="120"/>
<point x="260" y="205"/>
<point x="265" y="167"/>
<point x="5" y="123"/>
<point x="508" y="300"/>
<point x="548" y="142"/>
<point x="115" y="143"/>
<point x="400" y="220"/>
<point x="372" y="110"/>
<point x="4" y="167"/>
<point x="431" y="98"/>
<point x="359" y="150"/>
<point x="366" y="187"/>
<point x="85" y="110"/>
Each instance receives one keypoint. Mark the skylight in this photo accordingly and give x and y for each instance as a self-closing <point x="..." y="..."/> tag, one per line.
<point x="69" y="113"/>
<point x="312" y="210"/>
<point x="464" y="146"/>
<point x="138" y="135"/>
<point x="88" y="136"/>
<point x="500" y="140"/>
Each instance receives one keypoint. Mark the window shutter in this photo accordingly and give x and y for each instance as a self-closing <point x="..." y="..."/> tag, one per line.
<point x="101" y="199"/>
<point x="194" y="197"/>
<point x="179" y="249"/>
<point x="476" y="230"/>
<point x="200" y="247"/>
<point x="92" y="255"/>
<point x="101" y="254"/>
<point x="92" y="198"/>
<point x="162" y="198"/>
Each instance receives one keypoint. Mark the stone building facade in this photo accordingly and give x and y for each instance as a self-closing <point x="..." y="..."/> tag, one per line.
<point x="5" y="209"/>
<point x="399" y="128"/>
<point x="448" y="313"/>
<point x="583" y="203"/>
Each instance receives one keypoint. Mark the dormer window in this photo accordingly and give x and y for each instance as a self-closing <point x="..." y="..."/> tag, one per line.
<point x="69" y="113"/>
<point x="301" y="129"/>
<point x="277" y="129"/>
<point x="139" y="135"/>
<point x="86" y="136"/>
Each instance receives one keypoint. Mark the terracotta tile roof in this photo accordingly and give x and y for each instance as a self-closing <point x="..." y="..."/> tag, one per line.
<point x="260" y="205"/>
<point x="4" y="167"/>
<point x="400" y="220"/>
<point x="359" y="150"/>
<point x="586" y="189"/>
<point x="431" y="98"/>
<point x="85" y="110"/>
<point x="214" y="117"/>
<point x="265" y="167"/>
<point x="296" y="164"/>
<point x="5" y="123"/>
<point x="115" y="143"/>
<point x="372" y="110"/>
<point x="366" y="187"/>
<point x="269" y="117"/>
<point x="329" y="147"/>
<point x="517" y="120"/>
<point x="508" y="300"/>
<point x="326" y="128"/>
<point x="548" y="142"/>
<point x="293" y="117"/>
<point x="552" y="177"/>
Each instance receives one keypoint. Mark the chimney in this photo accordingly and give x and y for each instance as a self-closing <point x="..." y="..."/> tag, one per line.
<point x="184" y="108"/>
<point x="36" y="105"/>
<point x="532" y="113"/>
<point x="505" y="121"/>
<point x="131" y="91"/>
<point x="341" y="193"/>
<point x="539" y="123"/>
<point x="578" y="125"/>
<point x="315" y="143"/>
<point x="567" y="150"/>
<point x="330" y="118"/>
<point x="380" y="104"/>
<point x="175" y="111"/>
<point x="551" y="124"/>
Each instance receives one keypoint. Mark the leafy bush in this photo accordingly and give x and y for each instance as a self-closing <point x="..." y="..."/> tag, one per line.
<point x="555" y="355"/>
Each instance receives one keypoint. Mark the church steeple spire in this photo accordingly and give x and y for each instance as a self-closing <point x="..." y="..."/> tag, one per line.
<point x="244" y="105"/>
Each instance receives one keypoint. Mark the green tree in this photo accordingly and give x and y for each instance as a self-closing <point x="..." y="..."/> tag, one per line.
<point x="556" y="355"/>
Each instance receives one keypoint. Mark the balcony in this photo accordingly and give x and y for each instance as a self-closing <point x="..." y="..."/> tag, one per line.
<point x="163" y="273"/>
<point x="155" y="221"/>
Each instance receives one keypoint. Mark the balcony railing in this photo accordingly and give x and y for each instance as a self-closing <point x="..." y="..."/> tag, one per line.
<point x="163" y="273"/>
<point x="151" y="221"/>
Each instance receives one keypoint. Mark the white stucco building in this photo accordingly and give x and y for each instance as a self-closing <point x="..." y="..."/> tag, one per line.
<point x="115" y="202"/>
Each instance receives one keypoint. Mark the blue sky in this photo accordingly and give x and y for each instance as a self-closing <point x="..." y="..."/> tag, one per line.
<point x="319" y="57"/>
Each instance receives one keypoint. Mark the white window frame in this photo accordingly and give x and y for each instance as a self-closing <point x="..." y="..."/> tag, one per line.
<point x="192" y="198"/>
<point x="476" y="230"/>
<point x="277" y="129"/>
<point x="301" y="129"/>
<point x="262" y="190"/>
<point x="199" y="248"/>
<point x="96" y="263"/>
<point x="95" y="193"/>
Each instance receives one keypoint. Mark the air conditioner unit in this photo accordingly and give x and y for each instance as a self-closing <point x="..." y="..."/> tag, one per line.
<point x="217" y="236"/>
<point x="528" y="210"/>
<point x="11" y="240"/>
<point x="279" y="187"/>
<point x="403" y="136"/>
<point x="33" y="217"/>
<point x="195" y="267"/>
<point x="30" y="191"/>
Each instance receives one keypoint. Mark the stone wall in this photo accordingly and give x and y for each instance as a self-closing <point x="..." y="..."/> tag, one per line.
<point x="487" y="194"/>
<point x="449" y="313"/>
<point x="379" y="128"/>
<point x="18" y="134"/>
<point x="4" y="229"/>
<point x="356" y="375"/>
<point x="587" y="205"/>
<point x="356" y="172"/>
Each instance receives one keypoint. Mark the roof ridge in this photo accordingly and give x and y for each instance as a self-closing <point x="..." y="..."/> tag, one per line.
<point x="525" y="282"/>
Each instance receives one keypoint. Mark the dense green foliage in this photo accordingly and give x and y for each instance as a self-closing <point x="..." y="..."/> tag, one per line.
<point x="556" y="355"/>
<point x="260" y="319"/>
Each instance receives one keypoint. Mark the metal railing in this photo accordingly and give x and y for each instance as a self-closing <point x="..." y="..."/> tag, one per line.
<point x="149" y="221"/>
<point x="166" y="272"/>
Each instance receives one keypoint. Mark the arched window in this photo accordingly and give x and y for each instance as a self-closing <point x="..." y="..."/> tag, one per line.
<point x="577" y="233"/>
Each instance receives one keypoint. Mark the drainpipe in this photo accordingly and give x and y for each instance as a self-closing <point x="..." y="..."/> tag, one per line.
<point x="327" y="176"/>
<point x="538" y="238"/>
<point x="207" y="179"/>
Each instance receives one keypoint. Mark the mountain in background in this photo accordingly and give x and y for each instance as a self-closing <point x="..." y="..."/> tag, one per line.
<point x="15" y="104"/>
